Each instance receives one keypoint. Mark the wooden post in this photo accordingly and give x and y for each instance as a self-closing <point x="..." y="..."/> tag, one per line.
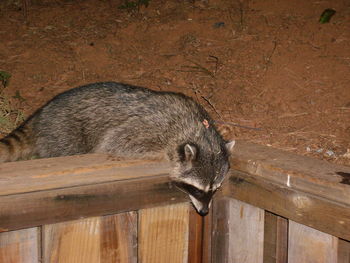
<point x="310" y="245"/>
<point x="343" y="251"/>
<point x="22" y="246"/>
<point x="96" y="239"/>
<point x="238" y="232"/>
<point x="195" y="242"/>
<point x="163" y="234"/>
<point x="275" y="239"/>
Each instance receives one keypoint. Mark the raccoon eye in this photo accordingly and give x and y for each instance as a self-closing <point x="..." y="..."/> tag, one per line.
<point x="189" y="189"/>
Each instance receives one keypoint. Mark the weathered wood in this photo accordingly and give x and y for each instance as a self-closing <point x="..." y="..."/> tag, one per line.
<point x="292" y="171"/>
<point x="310" y="245"/>
<point x="51" y="206"/>
<point x="207" y="236"/>
<point x="238" y="232"/>
<point x="282" y="240"/>
<point x="70" y="171"/>
<point x="119" y="238"/>
<point x="195" y="244"/>
<point x="95" y="240"/>
<point x="220" y="229"/>
<point x="22" y="246"/>
<point x="322" y="214"/>
<point x="275" y="239"/>
<point x="163" y="234"/>
<point x="343" y="251"/>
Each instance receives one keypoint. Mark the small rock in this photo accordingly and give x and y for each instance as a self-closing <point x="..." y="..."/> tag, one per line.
<point x="329" y="153"/>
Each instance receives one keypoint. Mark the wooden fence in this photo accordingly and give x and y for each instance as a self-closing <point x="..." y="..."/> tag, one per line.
<point x="274" y="207"/>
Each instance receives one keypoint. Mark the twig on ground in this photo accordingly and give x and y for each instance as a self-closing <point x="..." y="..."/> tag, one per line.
<point x="198" y="68"/>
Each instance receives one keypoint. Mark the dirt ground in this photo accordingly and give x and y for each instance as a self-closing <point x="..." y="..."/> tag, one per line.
<point x="267" y="65"/>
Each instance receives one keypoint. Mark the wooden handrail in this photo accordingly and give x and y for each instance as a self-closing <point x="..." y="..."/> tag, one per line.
<point x="306" y="190"/>
<point x="45" y="191"/>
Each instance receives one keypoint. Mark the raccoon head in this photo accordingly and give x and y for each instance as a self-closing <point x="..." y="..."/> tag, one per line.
<point x="200" y="173"/>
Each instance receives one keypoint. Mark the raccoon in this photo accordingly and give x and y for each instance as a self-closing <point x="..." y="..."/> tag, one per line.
<point x="129" y="122"/>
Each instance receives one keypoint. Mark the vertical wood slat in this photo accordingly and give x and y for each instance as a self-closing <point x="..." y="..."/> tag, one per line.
<point x="199" y="244"/>
<point x="275" y="239"/>
<point x="343" y="251"/>
<point x="163" y="234"/>
<point x="96" y="240"/>
<point x="306" y="244"/>
<point x="238" y="232"/>
<point x="119" y="238"/>
<point x="220" y="230"/>
<point x="207" y="237"/>
<point x="21" y="246"/>
<point x="282" y="240"/>
<point x="195" y="237"/>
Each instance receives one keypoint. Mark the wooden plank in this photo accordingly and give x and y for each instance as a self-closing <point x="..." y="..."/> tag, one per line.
<point x="163" y="234"/>
<point x="238" y="232"/>
<point x="43" y="207"/>
<point x="270" y="237"/>
<point x="95" y="240"/>
<point x="119" y="238"/>
<point x="296" y="172"/>
<point x="306" y="245"/>
<point x="207" y="235"/>
<point x="70" y="171"/>
<point x="199" y="250"/>
<point x="343" y="251"/>
<point x="319" y="213"/>
<point x="21" y="246"/>
<point x="195" y="243"/>
<point x="275" y="239"/>
<point x="282" y="240"/>
<point x="220" y="230"/>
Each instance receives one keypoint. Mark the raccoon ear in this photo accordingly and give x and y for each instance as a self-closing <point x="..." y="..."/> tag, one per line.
<point x="190" y="152"/>
<point x="230" y="145"/>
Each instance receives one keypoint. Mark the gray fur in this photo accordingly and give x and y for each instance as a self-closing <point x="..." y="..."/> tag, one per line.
<point x="128" y="122"/>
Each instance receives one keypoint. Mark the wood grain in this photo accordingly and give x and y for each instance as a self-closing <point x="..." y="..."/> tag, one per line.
<point x="322" y="214"/>
<point x="207" y="236"/>
<point x="300" y="173"/>
<point x="22" y="246"/>
<point x="220" y="231"/>
<point x="69" y="171"/>
<point x="275" y="239"/>
<point x="282" y="240"/>
<point x="308" y="245"/>
<point x="118" y="242"/>
<point x="95" y="240"/>
<point x="343" y="251"/>
<point x="163" y="234"/>
<point x="51" y="206"/>
<point x="195" y="242"/>
<point x="239" y="232"/>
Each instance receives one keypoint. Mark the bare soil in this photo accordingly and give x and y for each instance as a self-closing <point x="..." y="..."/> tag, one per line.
<point x="268" y="65"/>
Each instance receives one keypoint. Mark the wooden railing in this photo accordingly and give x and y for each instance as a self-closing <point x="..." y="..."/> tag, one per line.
<point x="273" y="207"/>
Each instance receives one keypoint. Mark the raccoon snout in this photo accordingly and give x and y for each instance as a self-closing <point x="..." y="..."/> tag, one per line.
<point x="201" y="206"/>
<point x="203" y="211"/>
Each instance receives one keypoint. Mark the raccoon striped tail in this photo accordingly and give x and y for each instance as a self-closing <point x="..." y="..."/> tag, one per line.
<point x="17" y="145"/>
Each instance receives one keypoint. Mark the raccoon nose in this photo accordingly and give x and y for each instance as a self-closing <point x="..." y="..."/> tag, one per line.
<point x="203" y="211"/>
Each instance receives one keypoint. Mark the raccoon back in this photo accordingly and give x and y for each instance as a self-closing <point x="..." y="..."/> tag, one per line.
<point x="109" y="117"/>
